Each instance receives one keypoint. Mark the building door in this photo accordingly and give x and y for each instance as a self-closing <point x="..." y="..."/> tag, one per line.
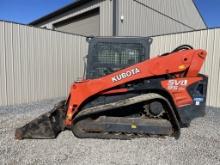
<point x="85" y="24"/>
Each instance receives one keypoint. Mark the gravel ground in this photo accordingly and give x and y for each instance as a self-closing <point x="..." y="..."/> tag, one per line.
<point x="198" y="144"/>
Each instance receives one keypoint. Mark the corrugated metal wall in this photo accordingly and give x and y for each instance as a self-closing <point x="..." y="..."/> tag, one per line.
<point x="205" y="39"/>
<point x="182" y="10"/>
<point x="142" y="19"/>
<point x="37" y="64"/>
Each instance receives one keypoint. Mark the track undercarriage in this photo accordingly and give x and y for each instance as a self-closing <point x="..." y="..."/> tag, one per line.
<point x="139" y="116"/>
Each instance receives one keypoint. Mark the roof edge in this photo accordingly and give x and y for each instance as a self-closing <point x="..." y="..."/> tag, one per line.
<point x="64" y="9"/>
<point x="200" y="13"/>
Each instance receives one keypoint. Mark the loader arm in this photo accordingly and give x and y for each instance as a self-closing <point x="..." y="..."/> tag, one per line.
<point x="188" y="61"/>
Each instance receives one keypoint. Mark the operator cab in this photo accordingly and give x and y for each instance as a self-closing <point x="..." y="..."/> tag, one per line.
<point x="110" y="54"/>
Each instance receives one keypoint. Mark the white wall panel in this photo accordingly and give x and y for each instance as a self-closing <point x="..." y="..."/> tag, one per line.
<point x="156" y="17"/>
<point x="181" y="10"/>
<point x="37" y="64"/>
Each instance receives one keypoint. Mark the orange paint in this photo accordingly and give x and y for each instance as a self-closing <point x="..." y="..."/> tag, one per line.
<point x="192" y="61"/>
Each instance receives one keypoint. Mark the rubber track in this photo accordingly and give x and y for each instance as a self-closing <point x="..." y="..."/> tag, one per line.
<point x="119" y="104"/>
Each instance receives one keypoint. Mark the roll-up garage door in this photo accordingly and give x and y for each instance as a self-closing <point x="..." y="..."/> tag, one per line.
<point x="84" y="24"/>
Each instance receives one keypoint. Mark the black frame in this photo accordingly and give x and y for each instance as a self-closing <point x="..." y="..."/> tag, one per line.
<point x="93" y="41"/>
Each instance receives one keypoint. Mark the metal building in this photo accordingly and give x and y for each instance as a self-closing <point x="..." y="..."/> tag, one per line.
<point x="124" y="17"/>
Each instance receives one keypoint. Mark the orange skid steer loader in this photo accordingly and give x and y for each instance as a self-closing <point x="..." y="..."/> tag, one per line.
<point x="124" y="94"/>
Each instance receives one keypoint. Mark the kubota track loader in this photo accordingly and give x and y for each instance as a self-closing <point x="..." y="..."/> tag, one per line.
<point x="125" y="94"/>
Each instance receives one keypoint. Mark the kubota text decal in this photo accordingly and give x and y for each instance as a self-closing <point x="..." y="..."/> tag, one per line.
<point x="126" y="74"/>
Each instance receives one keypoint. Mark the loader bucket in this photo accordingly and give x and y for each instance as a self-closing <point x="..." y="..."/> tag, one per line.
<point x="46" y="126"/>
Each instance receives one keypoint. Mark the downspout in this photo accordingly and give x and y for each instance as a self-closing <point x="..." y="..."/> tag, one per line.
<point x="115" y="17"/>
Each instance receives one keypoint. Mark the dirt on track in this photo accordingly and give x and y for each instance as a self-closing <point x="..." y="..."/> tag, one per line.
<point x="198" y="144"/>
